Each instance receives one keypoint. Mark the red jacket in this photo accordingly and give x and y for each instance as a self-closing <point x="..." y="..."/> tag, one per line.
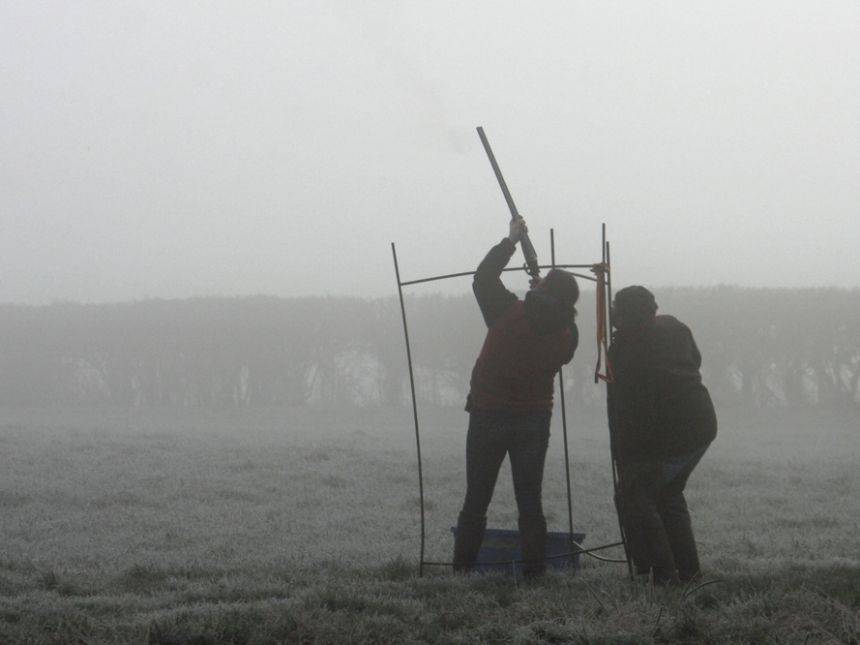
<point x="517" y="365"/>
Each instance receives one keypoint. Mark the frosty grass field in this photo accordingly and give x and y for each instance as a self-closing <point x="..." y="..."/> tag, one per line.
<point x="263" y="526"/>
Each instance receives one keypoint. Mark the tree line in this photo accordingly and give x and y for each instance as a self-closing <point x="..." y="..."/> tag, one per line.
<point x="761" y="348"/>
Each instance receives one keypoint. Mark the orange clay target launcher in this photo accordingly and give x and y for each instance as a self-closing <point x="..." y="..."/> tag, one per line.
<point x="531" y="266"/>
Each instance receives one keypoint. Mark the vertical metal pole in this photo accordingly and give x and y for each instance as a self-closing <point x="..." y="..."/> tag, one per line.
<point x="603" y="242"/>
<point x="563" y="415"/>
<point x="608" y="292"/>
<point x="414" y="406"/>
<point x="608" y="318"/>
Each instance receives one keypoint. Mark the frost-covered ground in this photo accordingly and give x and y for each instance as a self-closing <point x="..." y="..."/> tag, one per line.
<point x="278" y="525"/>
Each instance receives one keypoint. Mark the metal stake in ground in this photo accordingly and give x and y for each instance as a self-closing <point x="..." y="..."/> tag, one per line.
<point x="414" y="407"/>
<point x="563" y="413"/>
<point x="607" y="260"/>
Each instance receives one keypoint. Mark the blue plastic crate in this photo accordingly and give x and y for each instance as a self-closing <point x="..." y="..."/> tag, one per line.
<point x="504" y="545"/>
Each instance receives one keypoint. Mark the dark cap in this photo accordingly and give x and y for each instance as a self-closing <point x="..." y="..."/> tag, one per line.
<point x="633" y="306"/>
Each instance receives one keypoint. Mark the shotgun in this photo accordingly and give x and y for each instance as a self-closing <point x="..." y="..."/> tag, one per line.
<point x="525" y="243"/>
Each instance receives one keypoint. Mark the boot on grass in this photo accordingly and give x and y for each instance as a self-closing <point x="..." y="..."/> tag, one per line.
<point x="467" y="543"/>
<point x="533" y="546"/>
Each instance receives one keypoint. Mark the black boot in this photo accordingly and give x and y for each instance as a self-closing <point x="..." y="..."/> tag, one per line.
<point x="533" y="545"/>
<point x="634" y="543"/>
<point x="467" y="543"/>
<point x="679" y="532"/>
<point x="645" y="536"/>
<point x="664" y="577"/>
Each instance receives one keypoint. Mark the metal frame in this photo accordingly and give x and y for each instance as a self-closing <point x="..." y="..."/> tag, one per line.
<point x="578" y="548"/>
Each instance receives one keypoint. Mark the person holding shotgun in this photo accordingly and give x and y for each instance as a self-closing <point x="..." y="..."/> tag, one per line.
<point x="511" y="396"/>
<point x="662" y="421"/>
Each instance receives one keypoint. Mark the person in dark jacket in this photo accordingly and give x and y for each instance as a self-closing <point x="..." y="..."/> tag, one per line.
<point x="510" y="398"/>
<point x="662" y="420"/>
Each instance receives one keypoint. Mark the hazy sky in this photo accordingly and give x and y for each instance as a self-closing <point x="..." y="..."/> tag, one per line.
<point x="170" y="149"/>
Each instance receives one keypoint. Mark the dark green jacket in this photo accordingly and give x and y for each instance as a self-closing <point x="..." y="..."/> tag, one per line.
<point x="659" y="407"/>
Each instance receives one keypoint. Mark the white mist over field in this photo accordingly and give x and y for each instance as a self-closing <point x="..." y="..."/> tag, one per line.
<point x="178" y="149"/>
<point x="206" y="420"/>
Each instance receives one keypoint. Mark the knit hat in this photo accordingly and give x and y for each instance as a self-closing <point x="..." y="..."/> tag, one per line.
<point x="562" y="284"/>
<point x="634" y="305"/>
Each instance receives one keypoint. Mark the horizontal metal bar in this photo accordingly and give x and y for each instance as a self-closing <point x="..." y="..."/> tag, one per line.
<point x="543" y="266"/>
<point x="438" y="277"/>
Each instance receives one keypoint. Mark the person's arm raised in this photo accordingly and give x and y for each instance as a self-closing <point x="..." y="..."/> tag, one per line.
<point x="492" y="296"/>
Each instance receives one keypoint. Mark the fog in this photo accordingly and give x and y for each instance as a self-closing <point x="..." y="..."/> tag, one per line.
<point x="171" y="150"/>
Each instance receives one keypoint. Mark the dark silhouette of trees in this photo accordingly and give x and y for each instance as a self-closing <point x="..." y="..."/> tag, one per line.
<point x="761" y="347"/>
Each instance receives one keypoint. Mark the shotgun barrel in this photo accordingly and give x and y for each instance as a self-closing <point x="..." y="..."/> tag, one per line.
<point x="525" y="243"/>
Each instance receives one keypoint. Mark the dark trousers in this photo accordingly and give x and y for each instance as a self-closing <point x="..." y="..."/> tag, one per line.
<point x="524" y="437"/>
<point x="655" y="516"/>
